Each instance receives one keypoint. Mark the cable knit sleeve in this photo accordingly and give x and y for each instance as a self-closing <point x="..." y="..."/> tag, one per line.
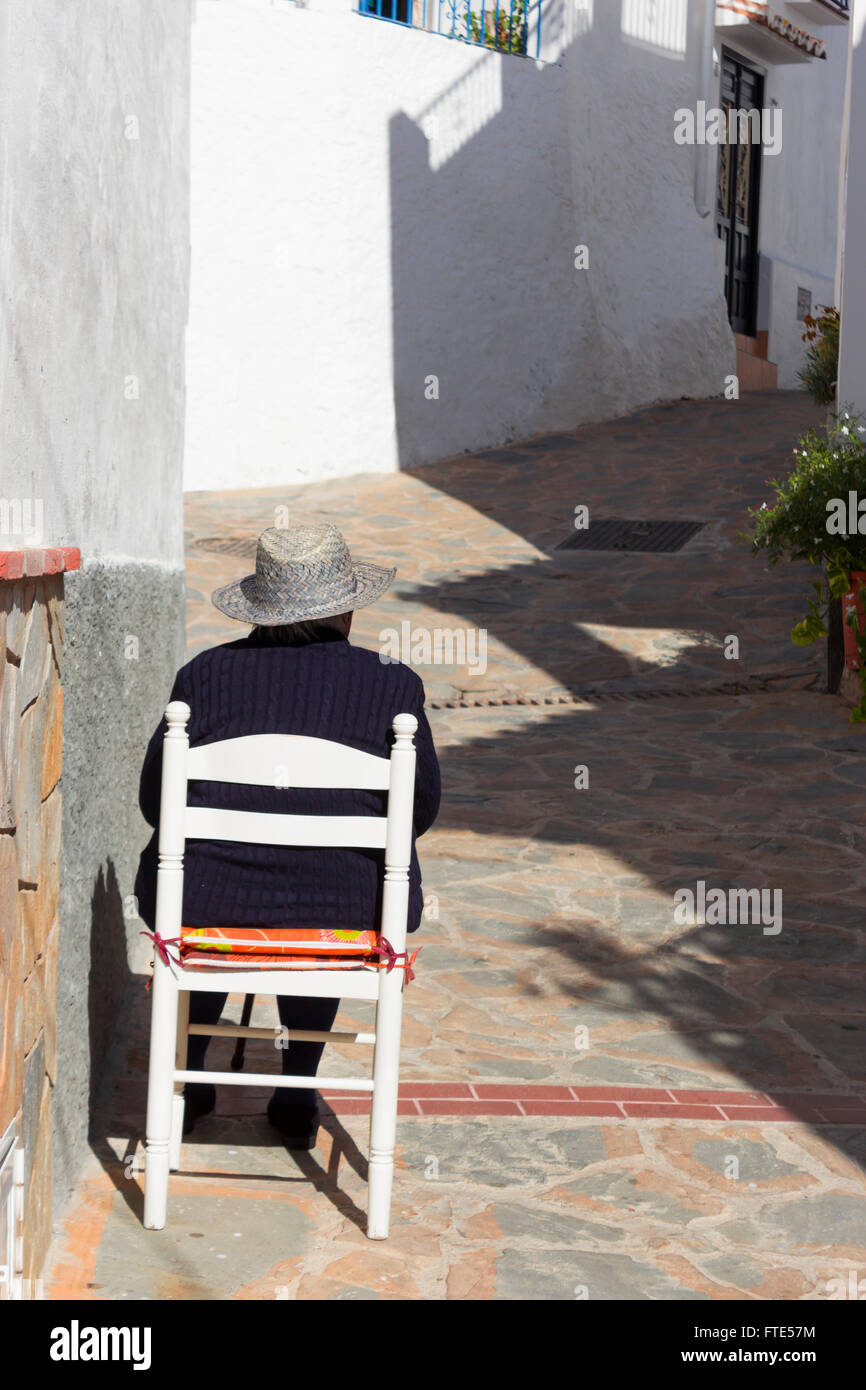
<point x="428" y="783"/>
<point x="151" y="773"/>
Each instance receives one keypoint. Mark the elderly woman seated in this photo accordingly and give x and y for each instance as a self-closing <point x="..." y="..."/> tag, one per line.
<point x="295" y="673"/>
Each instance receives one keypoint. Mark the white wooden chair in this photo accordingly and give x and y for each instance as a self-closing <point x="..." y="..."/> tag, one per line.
<point x="277" y="760"/>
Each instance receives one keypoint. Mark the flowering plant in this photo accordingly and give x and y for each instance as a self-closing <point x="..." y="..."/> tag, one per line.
<point x="822" y="354"/>
<point x="505" y="28"/>
<point x="817" y="517"/>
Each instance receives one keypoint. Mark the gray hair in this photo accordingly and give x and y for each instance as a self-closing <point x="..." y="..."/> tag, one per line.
<point x="301" y="634"/>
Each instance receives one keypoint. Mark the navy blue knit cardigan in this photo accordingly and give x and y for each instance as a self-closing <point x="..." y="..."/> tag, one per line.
<point x="327" y="689"/>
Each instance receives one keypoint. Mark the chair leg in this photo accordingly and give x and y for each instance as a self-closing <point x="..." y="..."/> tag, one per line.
<point x="177" y="1101"/>
<point x="383" y="1116"/>
<point x="237" y="1062"/>
<point x="160" y="1091"/>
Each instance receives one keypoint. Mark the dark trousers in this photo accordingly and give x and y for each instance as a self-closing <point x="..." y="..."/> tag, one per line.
<point x="299" y="1058"/>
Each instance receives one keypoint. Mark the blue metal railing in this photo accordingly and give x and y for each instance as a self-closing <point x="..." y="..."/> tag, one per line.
<point x="507" y="26"/>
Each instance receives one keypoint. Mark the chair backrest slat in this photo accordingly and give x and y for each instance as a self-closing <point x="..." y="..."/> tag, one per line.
<point x="267" y="828"/>
<point x="288" y="760"/>
<point x="292" y="761"/>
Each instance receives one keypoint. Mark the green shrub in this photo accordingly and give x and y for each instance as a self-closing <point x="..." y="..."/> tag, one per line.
<point x="809" y="520"/>
<point x="822" y="355"/>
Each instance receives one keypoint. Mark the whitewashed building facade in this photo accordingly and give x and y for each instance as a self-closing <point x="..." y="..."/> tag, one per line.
<point x="406" y="244"/>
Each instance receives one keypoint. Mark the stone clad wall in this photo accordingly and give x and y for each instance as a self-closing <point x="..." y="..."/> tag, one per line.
<point x="31" y="735"/>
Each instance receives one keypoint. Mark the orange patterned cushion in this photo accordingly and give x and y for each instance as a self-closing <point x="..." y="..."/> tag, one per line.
<point x="276" y="942"/>
<point x="235" y="961"/>
<point x="289" y="948"/>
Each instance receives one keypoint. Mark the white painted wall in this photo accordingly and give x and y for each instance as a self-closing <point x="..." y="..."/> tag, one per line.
<point x="372" y="205"/>
<point x="649" y="322"/>
<point x="852" y="346"/>
<point x="797" y="232"/>
<point x="93" y="255"/>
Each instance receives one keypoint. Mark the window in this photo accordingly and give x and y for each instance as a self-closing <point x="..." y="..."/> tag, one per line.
<point x="510" y="26"/>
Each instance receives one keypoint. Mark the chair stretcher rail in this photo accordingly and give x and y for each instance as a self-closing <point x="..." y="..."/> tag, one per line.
<point x="267" y="1078"/>
<point x="236" y="1030"/>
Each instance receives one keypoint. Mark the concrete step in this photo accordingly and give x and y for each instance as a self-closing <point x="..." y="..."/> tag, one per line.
<point x="755" y="347"/>
<point x="754" y="371"/>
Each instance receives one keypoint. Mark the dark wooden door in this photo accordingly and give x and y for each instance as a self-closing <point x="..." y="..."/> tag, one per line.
<point x="738" y="193"/>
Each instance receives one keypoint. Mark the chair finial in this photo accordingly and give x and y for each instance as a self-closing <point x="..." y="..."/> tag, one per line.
<point x="177" y="714"/>
<point x="404" y="727"/>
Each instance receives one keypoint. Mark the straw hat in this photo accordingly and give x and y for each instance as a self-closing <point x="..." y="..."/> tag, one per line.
<point x="302" y="573"/>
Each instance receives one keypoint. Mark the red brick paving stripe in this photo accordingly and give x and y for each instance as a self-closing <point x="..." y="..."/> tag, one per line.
<point x="842" y="1116"/>
<point x="360" y="1105"/>
<point x="619" y="1093"/>
<point x="646" y="1110"/>
<point x="525" y="1092"/>
<point x="345" y="1094"/>
<point x="771" y="1112"/>
<point x="469" y="1107"/>
<point x="599" y="1108"/>
<point x="604" y="1102"/>
<point x="820" y="1098"/>
<point x="444" y="1090"/>
<point x="721" y="1098"/>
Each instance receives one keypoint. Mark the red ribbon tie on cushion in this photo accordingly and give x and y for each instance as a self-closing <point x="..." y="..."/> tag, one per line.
<point x="393" y="958"/>
<point x="162" y="945"/>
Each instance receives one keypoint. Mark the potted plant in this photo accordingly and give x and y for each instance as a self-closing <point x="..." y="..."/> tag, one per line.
<point x="505" y="26"/>
<point x="819" y="515"/>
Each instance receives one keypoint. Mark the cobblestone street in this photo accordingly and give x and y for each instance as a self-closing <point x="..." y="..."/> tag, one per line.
<point x="599" y="1101"/>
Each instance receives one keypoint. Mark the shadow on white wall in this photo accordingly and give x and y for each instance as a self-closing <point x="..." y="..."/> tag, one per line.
<point x="462" y="110"/>
<point x="659" y="25"/>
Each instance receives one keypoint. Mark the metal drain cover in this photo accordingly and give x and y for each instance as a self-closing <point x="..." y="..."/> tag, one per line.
<point x="662" y="536"/>
<point x="227" y="545"/>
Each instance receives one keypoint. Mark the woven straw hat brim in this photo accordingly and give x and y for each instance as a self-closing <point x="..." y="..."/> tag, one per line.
<point x="241" y="599"/>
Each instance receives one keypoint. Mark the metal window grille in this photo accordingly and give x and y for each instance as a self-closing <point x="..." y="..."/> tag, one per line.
<point x="507" y="26"/>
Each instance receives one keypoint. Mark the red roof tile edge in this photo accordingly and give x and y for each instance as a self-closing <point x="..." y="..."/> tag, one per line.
<point x="33" y="562"/>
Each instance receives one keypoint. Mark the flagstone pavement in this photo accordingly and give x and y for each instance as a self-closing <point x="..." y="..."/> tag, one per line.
<point x="599" y="1101"/>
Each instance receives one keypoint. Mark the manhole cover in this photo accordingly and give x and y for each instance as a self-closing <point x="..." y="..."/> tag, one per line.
<point x="227" y="545"/>
<point x="632" y="535"/>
